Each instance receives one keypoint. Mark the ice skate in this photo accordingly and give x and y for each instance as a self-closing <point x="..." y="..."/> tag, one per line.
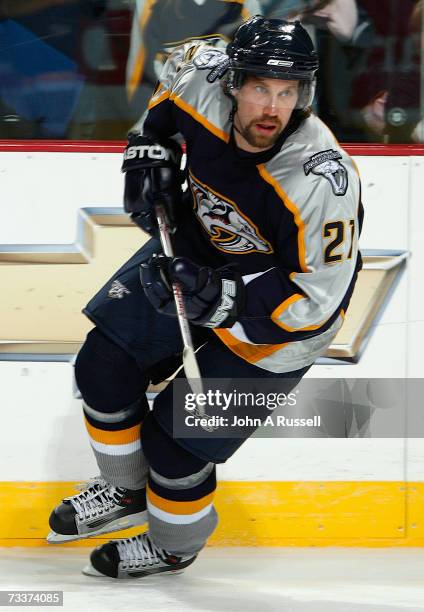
<point x="135" y="557"/>
<point x="99" y="508"/>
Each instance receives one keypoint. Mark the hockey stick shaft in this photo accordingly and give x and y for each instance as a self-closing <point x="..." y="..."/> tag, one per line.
<point x="191" y="366"/>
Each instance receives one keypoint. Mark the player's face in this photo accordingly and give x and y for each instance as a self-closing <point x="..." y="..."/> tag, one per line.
<point x="264" y="107"/>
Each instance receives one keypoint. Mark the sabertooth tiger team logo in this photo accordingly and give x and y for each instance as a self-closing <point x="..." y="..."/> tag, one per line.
<point x="118" y="290"/>
<point x="326" y="163"/>
<point x="229" y="230"/>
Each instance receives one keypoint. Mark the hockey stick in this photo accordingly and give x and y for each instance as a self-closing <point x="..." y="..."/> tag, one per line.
<point x="190" y="364"/>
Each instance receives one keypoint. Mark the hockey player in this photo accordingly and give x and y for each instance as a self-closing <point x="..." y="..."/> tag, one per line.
<point x="267" y="244"/>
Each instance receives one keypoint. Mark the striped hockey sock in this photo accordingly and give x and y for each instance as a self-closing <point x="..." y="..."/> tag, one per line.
<point x="116" y="441"/>
<point x="180" y="510"/>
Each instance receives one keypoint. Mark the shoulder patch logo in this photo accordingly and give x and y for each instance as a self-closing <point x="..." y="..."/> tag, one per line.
<point x="326" y="163"/>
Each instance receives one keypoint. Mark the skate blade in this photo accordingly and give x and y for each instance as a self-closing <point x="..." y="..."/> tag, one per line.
<point x="89" y="570"/>
<point x="135" y="520"/>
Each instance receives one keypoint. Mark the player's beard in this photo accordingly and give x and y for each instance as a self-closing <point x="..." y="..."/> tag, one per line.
<point x="260" y="141"/>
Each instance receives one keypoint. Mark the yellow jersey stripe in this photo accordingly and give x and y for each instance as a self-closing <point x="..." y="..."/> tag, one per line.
<point x="155" y="101"/>
<point x="293" y="209"/>
<point x="249" y="352"/>
<point x="283" y="306"/>
<point x="190" y="110"/>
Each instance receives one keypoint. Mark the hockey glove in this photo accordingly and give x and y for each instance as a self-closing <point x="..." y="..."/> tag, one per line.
<point x="213" y="60"/>
<point x="152" y="175"/>
<point x="212" y="298"/>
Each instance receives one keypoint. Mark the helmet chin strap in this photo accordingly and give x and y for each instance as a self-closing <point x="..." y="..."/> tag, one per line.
<point x="233" y="109"/>
<point x="232" y="117"/>
<point x="236" y="129"/>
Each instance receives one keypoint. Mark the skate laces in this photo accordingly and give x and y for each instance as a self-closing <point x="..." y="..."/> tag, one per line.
<point x="88" y="489"/>
<point x="95" y="500"/>
<point x="139" y="551"/>
<point x="96" y="481"/>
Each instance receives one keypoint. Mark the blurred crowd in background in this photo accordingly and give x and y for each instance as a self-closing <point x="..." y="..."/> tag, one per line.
<point x="85" y="69"/>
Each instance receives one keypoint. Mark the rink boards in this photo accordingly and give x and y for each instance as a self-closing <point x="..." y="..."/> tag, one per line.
<point x="272" y="492"/>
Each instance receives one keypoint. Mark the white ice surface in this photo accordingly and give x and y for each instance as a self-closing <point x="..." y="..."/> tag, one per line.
<point x="233" y="580"/>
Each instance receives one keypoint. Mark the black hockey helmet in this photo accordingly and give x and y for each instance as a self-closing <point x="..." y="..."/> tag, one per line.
<point x="273" y="48"/>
